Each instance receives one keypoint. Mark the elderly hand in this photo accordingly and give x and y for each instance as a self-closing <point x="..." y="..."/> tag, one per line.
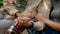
<point x="24" y="18"/>
<point x="23" y="22"/>
<point x="29" y="14"/>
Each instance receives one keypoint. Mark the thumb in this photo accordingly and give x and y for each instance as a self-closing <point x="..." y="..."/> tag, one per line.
<point x="25" y="18"/>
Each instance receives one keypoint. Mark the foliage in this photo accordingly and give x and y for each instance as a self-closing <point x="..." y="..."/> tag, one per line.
<point x="1" y="2"/>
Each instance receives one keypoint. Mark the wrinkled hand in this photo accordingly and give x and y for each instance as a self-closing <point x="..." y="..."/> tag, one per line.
<point x="20" y="23"/>
<point x="24" y="17"/>
<point x="29" y="14"/>
<point x="23" y="22"/>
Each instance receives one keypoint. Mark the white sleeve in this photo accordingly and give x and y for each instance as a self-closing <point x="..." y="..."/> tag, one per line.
<point x="39" y="25"/>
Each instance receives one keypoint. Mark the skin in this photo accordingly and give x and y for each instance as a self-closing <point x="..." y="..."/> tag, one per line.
<point x="29" y="14"/>
<point x="18" y="22"/>
<point x="22" y="20"/>
<point x="52" y="24"/>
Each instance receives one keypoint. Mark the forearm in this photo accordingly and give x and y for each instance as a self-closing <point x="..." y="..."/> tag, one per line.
<point x="52" y="24"/>
<point x="29" y="14"/>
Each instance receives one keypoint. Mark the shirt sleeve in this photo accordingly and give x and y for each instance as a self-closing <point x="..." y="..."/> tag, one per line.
<point x="39" y="25"/>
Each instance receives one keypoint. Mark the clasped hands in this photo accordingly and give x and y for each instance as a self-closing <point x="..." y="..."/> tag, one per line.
<point x="22" y="21"/>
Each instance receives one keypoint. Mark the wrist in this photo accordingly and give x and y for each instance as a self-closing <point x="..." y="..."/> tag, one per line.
<point x="44" y="20"/>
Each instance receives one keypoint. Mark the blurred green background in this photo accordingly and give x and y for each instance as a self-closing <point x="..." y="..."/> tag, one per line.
<point x="1" y="2"/>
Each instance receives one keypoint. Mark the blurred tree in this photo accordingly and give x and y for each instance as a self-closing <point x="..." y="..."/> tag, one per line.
<point x="1" y="2"/>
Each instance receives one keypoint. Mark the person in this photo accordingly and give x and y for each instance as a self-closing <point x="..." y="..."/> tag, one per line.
<point x="47" y="8"/>
<point x="14" y="8"/>
<point x="53" y="25"/>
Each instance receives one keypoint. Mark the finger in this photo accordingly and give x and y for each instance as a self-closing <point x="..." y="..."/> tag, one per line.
<point x="20" y="23"/>
<point x="25" y="18"/>
<point x="16" y="21"/>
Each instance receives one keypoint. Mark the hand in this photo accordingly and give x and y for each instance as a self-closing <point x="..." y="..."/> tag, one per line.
<point x="23" y="22"/>
<point x="39" y="16"/>
<point x="30" y="14"/>
<point x="18" y="14"/>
